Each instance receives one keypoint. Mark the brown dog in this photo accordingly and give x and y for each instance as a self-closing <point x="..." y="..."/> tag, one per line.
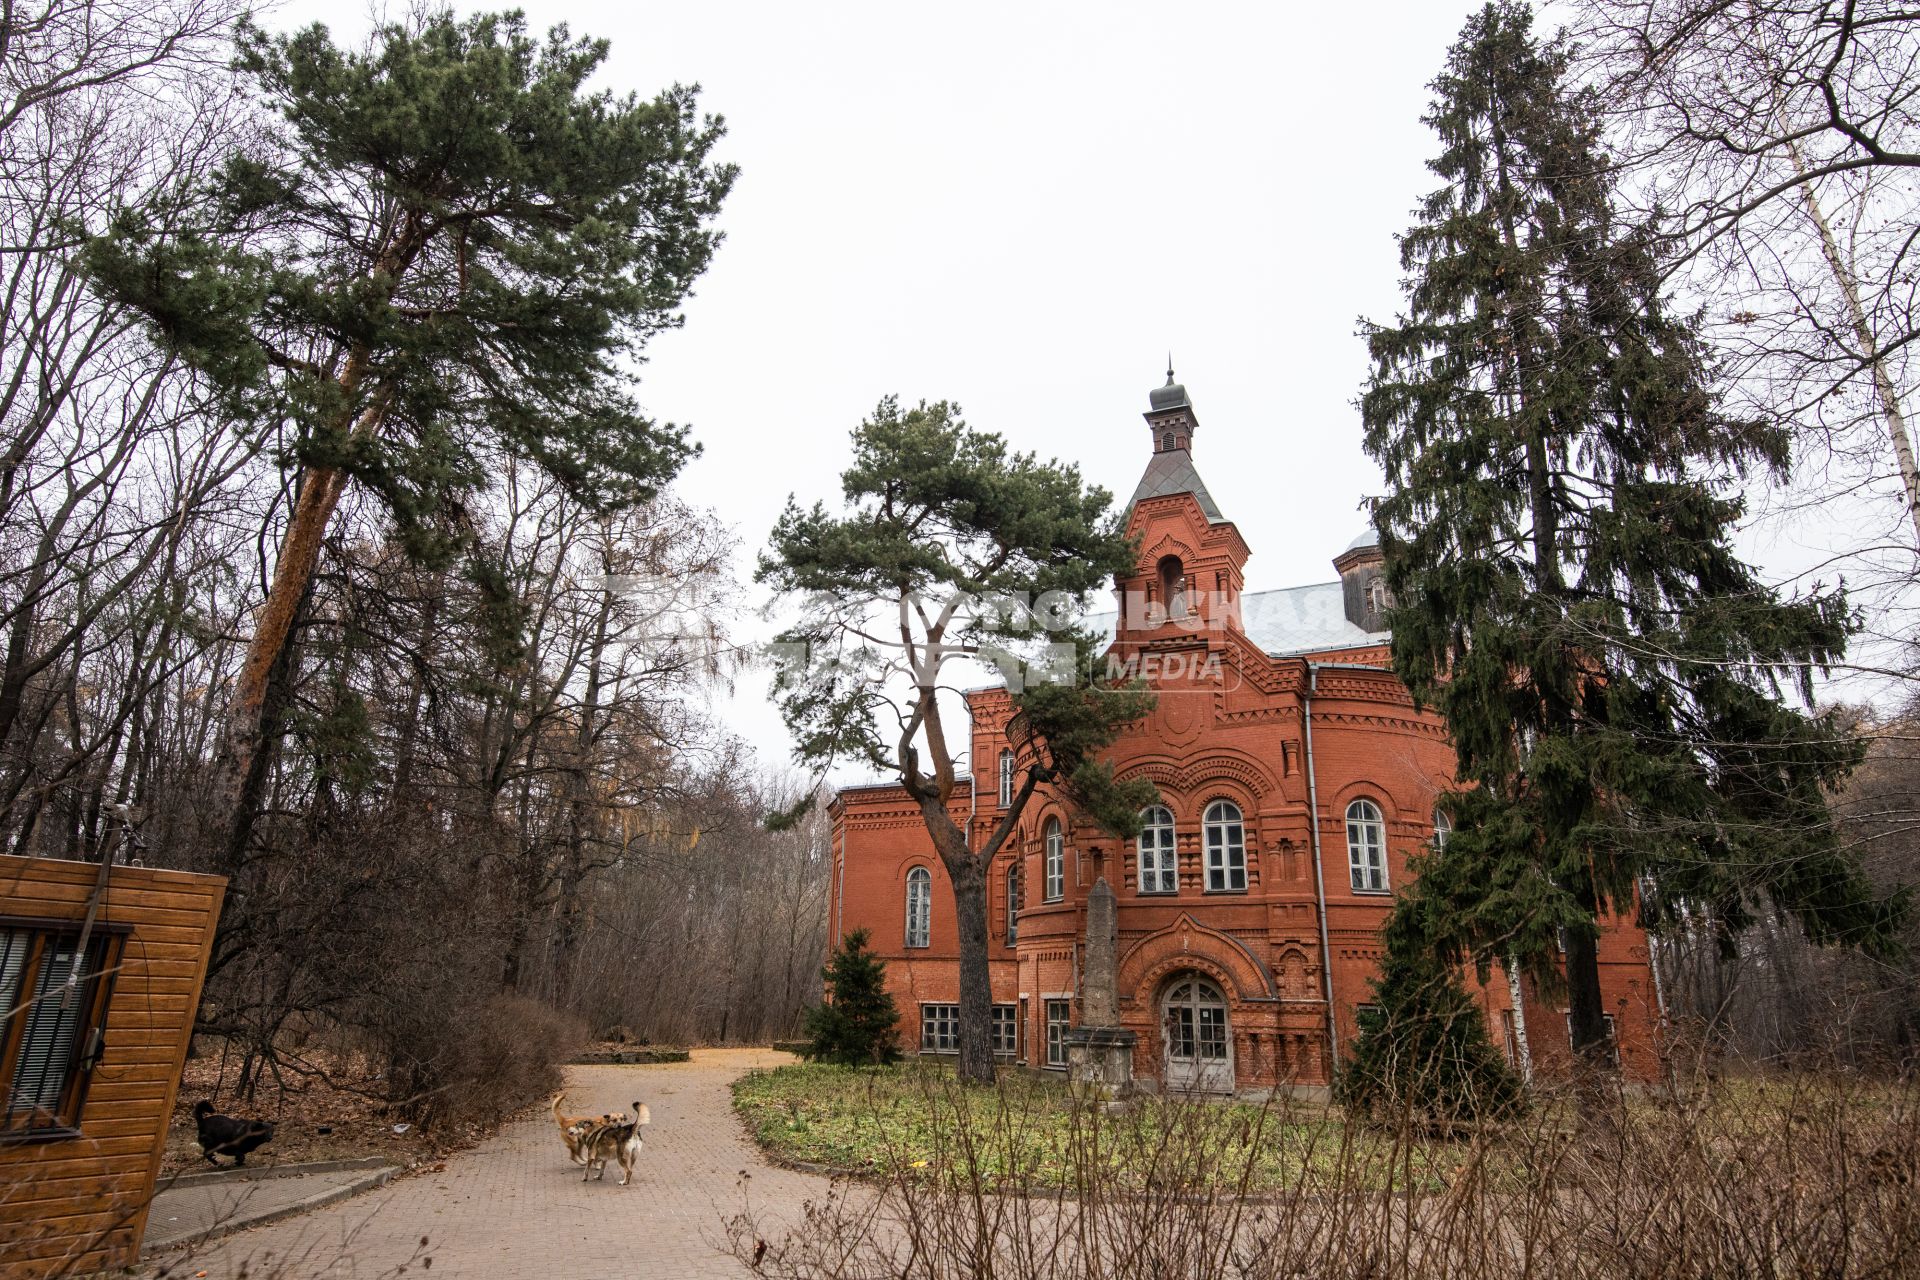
<point x="573" y="1128"/>
<point x="618" y="1139"/>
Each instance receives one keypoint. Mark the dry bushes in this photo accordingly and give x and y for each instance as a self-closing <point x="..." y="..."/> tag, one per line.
<point x="1812" y="1176"/>
<point x="484" y="1060"/>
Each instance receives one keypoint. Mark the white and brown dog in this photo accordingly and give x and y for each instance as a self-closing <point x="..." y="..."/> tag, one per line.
<point x="617" y="1138"/>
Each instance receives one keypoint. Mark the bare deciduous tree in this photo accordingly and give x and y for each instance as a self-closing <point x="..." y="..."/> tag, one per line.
<point x="1778" y="143"/>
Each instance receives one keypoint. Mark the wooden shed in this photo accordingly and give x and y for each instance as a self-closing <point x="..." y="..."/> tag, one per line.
<point x="91" y="1052"/>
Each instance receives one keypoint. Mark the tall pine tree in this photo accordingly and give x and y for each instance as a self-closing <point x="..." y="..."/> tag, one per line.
<point x="950" y="551"/>
<point x="430" y="252"/>
<point x="1562" y="490"/>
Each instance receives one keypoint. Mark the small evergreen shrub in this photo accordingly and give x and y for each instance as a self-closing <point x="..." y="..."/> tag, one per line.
<point x="1424" y="1052"/>
<point x="858" y="1026"/>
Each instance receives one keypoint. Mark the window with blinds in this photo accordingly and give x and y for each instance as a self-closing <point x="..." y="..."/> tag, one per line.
<point x="52" y="1032"/>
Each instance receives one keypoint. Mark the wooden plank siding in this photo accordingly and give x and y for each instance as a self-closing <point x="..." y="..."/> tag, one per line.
<point x="79" y="1204"/>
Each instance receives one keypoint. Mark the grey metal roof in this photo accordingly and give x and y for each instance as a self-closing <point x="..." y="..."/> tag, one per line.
<point x="1171" y="396"/>
<point x="1369" y="537"/>
<point x="1170" y="473"/>
<point x="1292" y="620"/>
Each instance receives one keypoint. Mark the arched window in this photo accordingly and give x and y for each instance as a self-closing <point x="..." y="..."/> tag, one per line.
<point x="1173" y="586"/>
<point x="1366" y="847"/>
<point x="1055" y="841"/>
<point x="1013" y="901"/>
<point x="1226" y="841"/>
<point x="1378" y="596"/>
<point x="1006" y="779"/>
<point x="919" y="907"/>
<point x="1157" y="871"/>
<point x="1166" y="440"/>
<point x="1442" y="828"/>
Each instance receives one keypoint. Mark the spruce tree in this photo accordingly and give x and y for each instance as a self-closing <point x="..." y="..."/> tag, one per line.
<point x="856" y="1027"/>
<point x="1423" y="1048"/>
<point x="1562" y="490"/>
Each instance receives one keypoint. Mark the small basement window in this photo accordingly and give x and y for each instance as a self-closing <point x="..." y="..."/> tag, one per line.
<point x="50" y="1038"/>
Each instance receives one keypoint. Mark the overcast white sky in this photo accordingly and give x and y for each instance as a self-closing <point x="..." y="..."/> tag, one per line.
<point x="1023" y="208"/>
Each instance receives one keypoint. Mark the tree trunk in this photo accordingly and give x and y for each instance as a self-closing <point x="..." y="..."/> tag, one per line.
<point x="581" y="817"/>
<point x="967" y="873"/>
<point x="1889" y="395"/>
<point x="519" y="928"/>
<point x="276" y="695"/>
<point x="407" y="748"/>
<point x="1585" y="1007"/>
<point x="976" y="986"/>
<point x="237" y="758"/>
<point x="1522" y="1048"/>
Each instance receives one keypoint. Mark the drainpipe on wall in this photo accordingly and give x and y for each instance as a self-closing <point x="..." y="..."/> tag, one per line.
<point x="1319" y="874"/>
<point x="973" y="792"/>
<point x="840" y="899"/>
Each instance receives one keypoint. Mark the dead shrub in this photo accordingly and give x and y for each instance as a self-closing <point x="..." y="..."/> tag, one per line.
<point x="476" y="1062"/>
<point x="1809" y="1176"/>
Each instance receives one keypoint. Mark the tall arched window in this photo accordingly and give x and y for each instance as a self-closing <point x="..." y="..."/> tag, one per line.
<point x="1013" y="901"/>
<point x="1158" y="873"/>
<point x="1006" y="779"/>
<point x="1366" y="847"/>
<point x="1226" y="841"/>
<point x="1166" y="440"/>
<point x="919" y="907"/>
<point x="1442" y="828"/>
<point x="1173" y="586"/>
<point x="1055" y="841"/>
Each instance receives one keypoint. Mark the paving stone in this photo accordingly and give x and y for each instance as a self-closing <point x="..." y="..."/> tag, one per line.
<point x="515" y="1207"/>
<point x="197" y="1206"/>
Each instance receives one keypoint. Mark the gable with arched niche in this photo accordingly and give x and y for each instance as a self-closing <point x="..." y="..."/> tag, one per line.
<point x="1188" y="944"/>
<point x="1187" y="776"/>
<point x="1297" y="974"/>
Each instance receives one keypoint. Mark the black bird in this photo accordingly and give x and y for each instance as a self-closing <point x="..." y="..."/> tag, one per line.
<point x="228" y="1135"/>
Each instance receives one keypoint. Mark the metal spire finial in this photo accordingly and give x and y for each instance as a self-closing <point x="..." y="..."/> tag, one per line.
<point x="1169" y="368"/>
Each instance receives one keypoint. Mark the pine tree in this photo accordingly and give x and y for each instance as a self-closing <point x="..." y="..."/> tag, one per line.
<point x="432" y="251"/>
<point x="953" y="551"/>
<point x="857" y="1025"/>
<point x="1562" y="490"/>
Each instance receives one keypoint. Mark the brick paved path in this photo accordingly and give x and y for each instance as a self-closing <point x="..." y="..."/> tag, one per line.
<point x="515" y="1208"/>
<point x="197" y="1205"/>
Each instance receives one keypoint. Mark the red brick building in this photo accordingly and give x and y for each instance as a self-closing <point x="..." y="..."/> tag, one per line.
<point x="1295" y="777"/>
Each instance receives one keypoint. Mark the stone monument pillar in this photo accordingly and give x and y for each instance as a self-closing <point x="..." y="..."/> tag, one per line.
<point x="1100" y="1050"/>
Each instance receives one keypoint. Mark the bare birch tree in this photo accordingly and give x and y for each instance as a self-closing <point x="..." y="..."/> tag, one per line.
<point x="1779" y="143"/>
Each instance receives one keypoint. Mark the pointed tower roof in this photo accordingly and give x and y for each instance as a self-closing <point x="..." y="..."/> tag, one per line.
<point x="1170" y="470"/>
<point x="1170" y="473"/>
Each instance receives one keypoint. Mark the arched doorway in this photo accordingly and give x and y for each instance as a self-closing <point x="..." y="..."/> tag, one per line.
<point x="1196" y="1045"/>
